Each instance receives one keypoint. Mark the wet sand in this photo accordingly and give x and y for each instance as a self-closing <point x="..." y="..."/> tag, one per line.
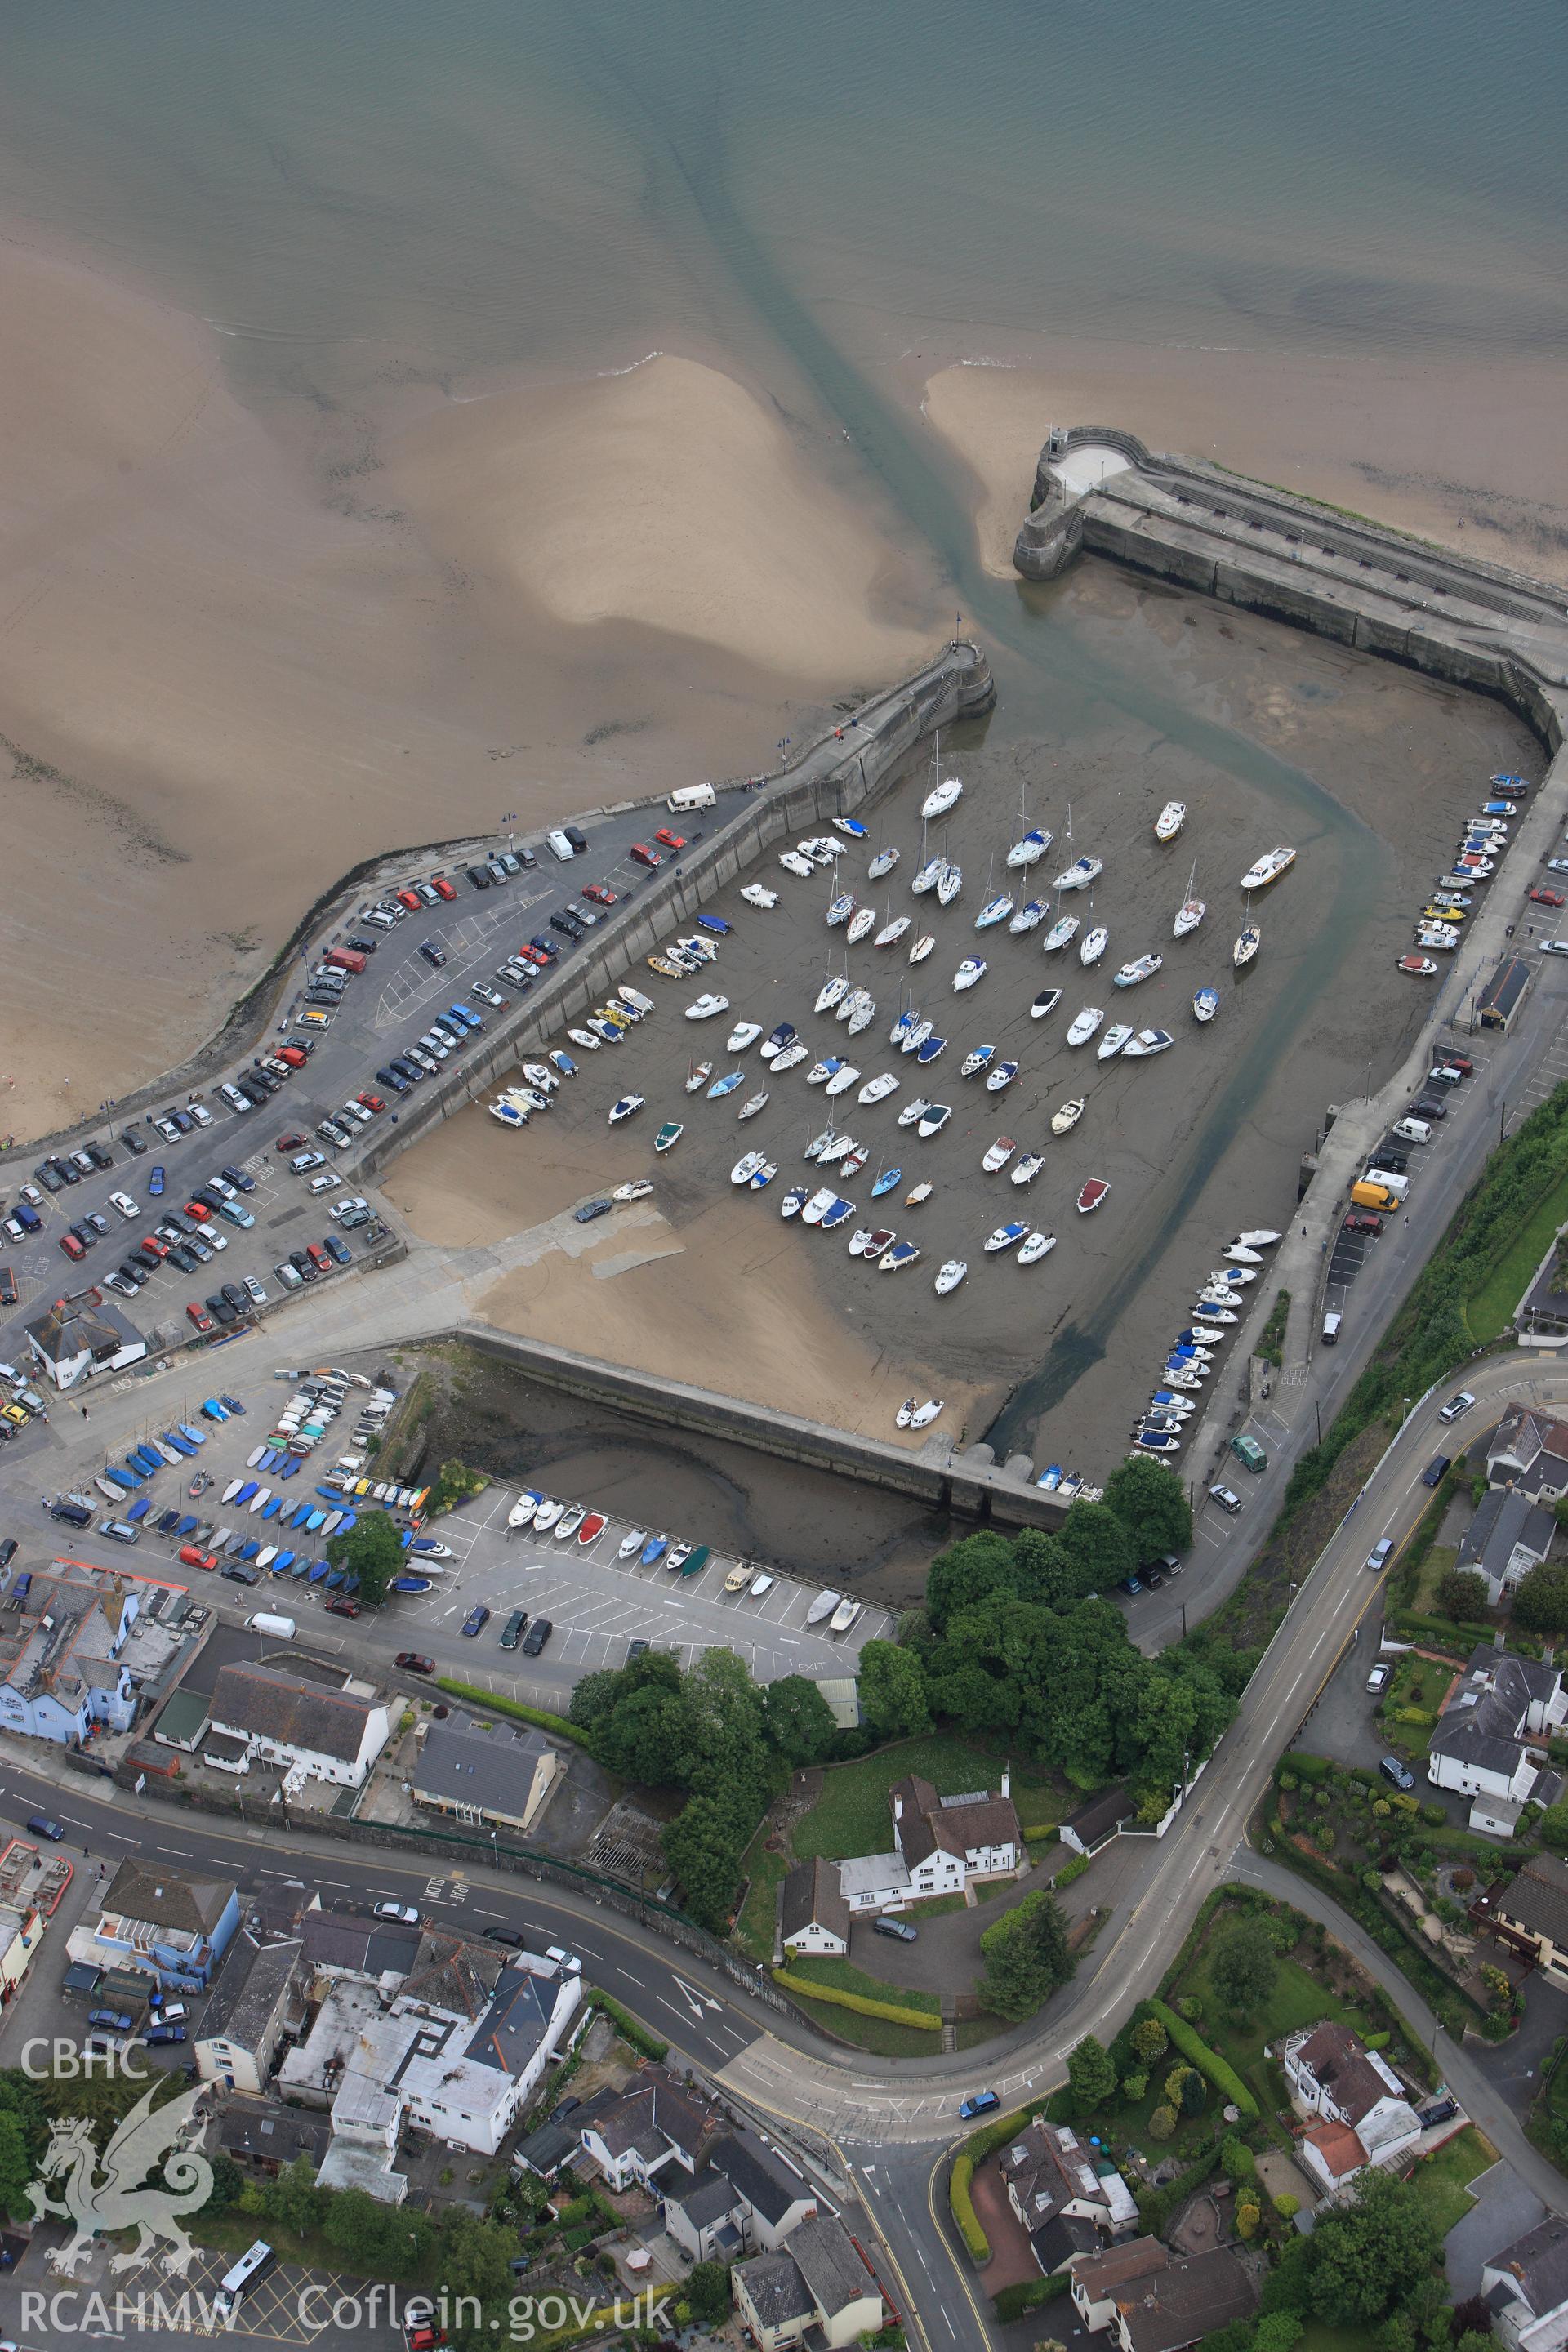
<point x="1394" y="438"/>
<point x="1376" y="769"/>
<point x="805" y="1522"/>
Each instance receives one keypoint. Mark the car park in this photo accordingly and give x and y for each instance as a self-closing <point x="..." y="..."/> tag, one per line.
<point x="1457" y="1406"/>
<point x="337" y="1248"/>
<point x="1554" y="946"/>
<point x="318" y="1257"/>
<point x="219" y="1307"/>
<point x="487" y="994"/>
<point x="442" y="887"/>
<point x="1548" y="898"/>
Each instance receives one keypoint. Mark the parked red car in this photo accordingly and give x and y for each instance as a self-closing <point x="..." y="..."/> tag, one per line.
<point x="374" y="1102"/>
<point x="599" y="894"/>
<point x="413" y="1662"/>
<point x="198" y="1316"/>
<point x="341" y="1607"/>
<point x="319" y="1257"/>
<point x="1361" y="1221"/>
<point x="670" y="840"/>
<point x="438" y="882"/>
<point x="192" y="1556"/>
<point x="292" y="1141"/>
<point x="1548" y="898"/>
<point x="295" y="1056"/>
<point x="71" y="1246"/>
<point x="411" y="899"/>
<point x="643" y="855"/>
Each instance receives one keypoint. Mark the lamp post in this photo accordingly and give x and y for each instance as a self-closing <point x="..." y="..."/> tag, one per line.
<point x="509" y="821"/>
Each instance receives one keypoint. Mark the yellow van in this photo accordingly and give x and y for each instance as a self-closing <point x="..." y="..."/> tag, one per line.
<point x="1365" y="1195"/>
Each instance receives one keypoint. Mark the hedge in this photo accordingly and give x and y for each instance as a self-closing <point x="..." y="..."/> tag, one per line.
<point x="1027" y="2295"/>
<point x="808" y="1987"/>
<point x="1421" y="1717"/>
<point x="1209" y="2062"/>
<point x="1305" y="1766"/>
<point x="557" y="1723"/>
<point x="628" y="2029"/>
<point x="1457" y="1640"/>
<point x="1156" y="2206"/>
<point x="962" y="2206"/>
<point x="1071" y="1870"/>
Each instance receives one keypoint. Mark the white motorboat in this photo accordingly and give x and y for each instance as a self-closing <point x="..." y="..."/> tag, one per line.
<point x="998" y="1155"/>
<point x="1205" y="1004"/>
<point x="1029" y="917"/>
<point x="1047" y="1001"/>
<point x="816" y="1208"/>
<point x="895" y="1260"/>
<point x="539" y="1075"/>
<point x="746" y="1169"/>
<point x="820" y="850"/>
<point x="764" y="1175"/>
<point x="794" y="1201"/>
<point x="777" y="1040"/>
<point x="922" y="1418"/>
<point x="1027" y="1167"/>
<point x="1064" y="929"/>
<point x="1147" y="1042"/>
<point x="843" y="1079"/>
<point x="922" y="947"/>
<point x="883" y="862"/>
<point x="793" y="863"/>
<point x="845" y="1613"/>
<point x="624" y="1108"/>
<point x="1092" y="1195"/>
<point x="916" y="1037"/>
<point x="975" y="1060"/>
<point x="545" y="1517"/>
<point x="1240" y="1254"/>
<point x="935" y="1118"/>
<point x="507" y="1113"/>
<point x="744" y="1033"/>
<point x="668" y="1135"/>
<point x="571" y="1519"/>
<point x="586" y="1038"/>
<point x="1210" y="1311"/>
<point x="1233" y="1277"/>
<point x="919" y="1195"/>
<point x="858" y="1239"/>
<point x="790" y="1057"/>
<point x="860" y="922"/>
<point x="823" y="1606"/>
<point x="913" y="1111"/>
<point x="820" y="1072"/>
<point x="949" y="1274"/>
<point x="863" y="1013"/>
<point x="1004" y="1237"/>
<point x="702" y="948"/>
<point x="949" y="883"/>
<point x="1170" y="821"/>
<point x="1119" y="1034"/>
<point x="901" y="1419"/>
<point x="1260" y="1237"/>
<point x="890" y="933"/>
<point x="1000" y="1077"/>
<point x="970" y="971"/>
<point x="1246" y="947"/>
<point x="523" y="1509"/>
<point x="995" y="910"/>
<point x="832" y="988"/>
<point x="1093" y="944"/>
<point x="930" y="875"/>
<point x="1268" y="869"/>
<point x="1188" y="1380"/>
<point x="940" y="798"/>
<point x="1080" y="874"/>
<point x="755" y="895"/>
<point x="1140" y="969"/>
<point x="706" y="1007"/>
<point x="1084" y="1024"/>
<point x="850" y="827"/>
<point x="638" y="1190"/>
<point x="753" y="1105"/>
<point x="1038" y="1247"/>
<point x="1030" y="847"/>
<point x="878" y="1088"/>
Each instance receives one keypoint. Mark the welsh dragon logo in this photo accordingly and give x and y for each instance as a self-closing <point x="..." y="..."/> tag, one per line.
<point x="97" y="2206"/>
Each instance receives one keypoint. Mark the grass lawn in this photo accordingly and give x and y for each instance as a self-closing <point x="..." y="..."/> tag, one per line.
<point x="1320" y="2338"/>
<point x="845" y="1976"/>
<point x="1488" y="1308"/>
<point x="759" y="1912"/>
<point x="1439" y="2181"/>
<point x="1434" y="1568"/>
<point x="852" y="1815"/>
<point x="1413" y="1674"/>
<point x="1298" y="2000"/>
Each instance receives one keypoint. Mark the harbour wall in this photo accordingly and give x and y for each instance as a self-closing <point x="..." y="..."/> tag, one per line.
<point x="969" y="1485"/>
<point x="1465" y="622"/>
<point x="836" y="776"/>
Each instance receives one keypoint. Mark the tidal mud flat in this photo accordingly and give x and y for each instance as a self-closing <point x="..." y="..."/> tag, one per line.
<point x="1267" y="736"/>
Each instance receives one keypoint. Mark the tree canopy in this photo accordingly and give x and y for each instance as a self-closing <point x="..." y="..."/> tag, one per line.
<point x="1245" y="1965"/>
<point x="1026" y="1958"/>
<point x="1152" y="1504"/>
<point x="1541" y="1604"/>
<point x="1370" y="2257"/>
<point x="370" y="1550"/>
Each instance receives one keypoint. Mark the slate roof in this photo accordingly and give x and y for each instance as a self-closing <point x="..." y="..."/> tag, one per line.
<point x="1503" y="1519"/>
<point x="710" y="2199"/>
<point x="291" y="1710"/>
<point x="775" y="2289"/>
<point x="274" y="2134"/>
<point x="825" y="2254"/>
<point x="515" y="2023"/>
<point x="1046" y="2167"/>
<point x="1138" y="2258"/>
<point x="768" y="2185"/>
<point x="493" y="1769"/>
<point x="1339" y="2062"/>
<point x="1102" y="1813"/>
<point x="1056" y="2241"/>
<point x="1536" y="1442"/>
<point x="545" y="2151"/>
<point x="368" y="1947"/>
<point x="1538" y="1899"/>
<point x="1537" y="2266"/>
<point x="249" y="1991"/>
<point x="1187" y="2302"/>
<point x="812" y="1893"/>
<point x="654" y="2112"/>
<point x="924" y="1825"/>
<point x="163" y="1899"/>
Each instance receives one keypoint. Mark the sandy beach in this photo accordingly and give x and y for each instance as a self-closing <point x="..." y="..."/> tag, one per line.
<point x="1397" y="439"/>
<point x="1375" y="768"/>
<point x="235" y="662"/>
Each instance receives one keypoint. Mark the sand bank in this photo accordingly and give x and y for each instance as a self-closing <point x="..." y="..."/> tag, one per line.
<point x="1405" y="442"/>
<point x="670" y="497"/>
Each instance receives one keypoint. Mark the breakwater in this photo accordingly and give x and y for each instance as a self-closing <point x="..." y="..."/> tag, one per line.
<point x="836" y="776"/>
